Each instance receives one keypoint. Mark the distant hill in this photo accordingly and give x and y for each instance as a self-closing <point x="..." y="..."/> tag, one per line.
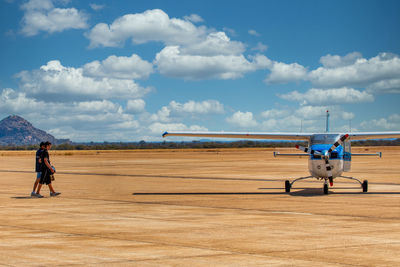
<point x="15" y="130"/>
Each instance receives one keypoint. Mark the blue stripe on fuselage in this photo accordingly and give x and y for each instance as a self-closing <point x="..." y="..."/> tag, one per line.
<point x="325" y="147"/>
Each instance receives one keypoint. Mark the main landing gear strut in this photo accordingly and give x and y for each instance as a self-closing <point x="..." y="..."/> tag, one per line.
<point x="288" y="184"/>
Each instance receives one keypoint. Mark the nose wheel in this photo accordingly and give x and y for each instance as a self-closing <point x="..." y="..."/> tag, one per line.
<point x="326" y="187"/>
<point x="365" y="186"/>
<point x="287" y="186"/>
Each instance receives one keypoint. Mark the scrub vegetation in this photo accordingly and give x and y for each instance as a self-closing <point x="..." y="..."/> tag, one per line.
<point x="184" y="145"/>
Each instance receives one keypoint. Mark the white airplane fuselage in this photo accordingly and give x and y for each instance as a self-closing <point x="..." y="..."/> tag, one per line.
<point x="339" y="159"/>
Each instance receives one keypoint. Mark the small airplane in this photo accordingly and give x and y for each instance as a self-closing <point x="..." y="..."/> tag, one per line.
<point x="329" y="154"/>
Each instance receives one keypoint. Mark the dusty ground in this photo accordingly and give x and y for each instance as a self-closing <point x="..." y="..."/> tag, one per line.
<point x="199" y="208"/>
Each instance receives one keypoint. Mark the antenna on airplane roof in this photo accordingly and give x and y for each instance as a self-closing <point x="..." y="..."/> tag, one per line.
<point x="301" y="125"/>
<point x="350" y="125"/>
<point x="327" y="121"/>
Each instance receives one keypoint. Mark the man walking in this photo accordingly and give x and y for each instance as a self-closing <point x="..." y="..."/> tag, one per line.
<point x="38" y="167"/>
<point x="47" y="171"/>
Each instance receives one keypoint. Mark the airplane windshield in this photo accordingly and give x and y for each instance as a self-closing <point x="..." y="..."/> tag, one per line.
<point x="318" y="139"/>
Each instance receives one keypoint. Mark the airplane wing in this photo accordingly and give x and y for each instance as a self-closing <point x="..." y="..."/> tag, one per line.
<point x="244" y="135"/>
<point x="374" y="135"/>
<point x="280" y="136"/>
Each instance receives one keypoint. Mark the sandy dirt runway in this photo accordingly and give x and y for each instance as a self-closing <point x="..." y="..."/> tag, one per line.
<point x="211" y="207"/>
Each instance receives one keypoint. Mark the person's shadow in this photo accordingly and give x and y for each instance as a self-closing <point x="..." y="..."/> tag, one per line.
<point x="24" y="197"/>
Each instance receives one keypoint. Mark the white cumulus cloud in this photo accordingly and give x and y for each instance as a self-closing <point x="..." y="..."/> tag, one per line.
<point x="329" y="96"/>
<point x="260" y="47"/>
<point x="191" y="52"/>
<point x="378" y="75"/>
<point x="176" y="110"/>
<point x="274" y="113"/>
<point x="284" y="73"/>
<point x="41" y="15"/>
<point x="163" y="115"/>
<point x="135" y="105"/>
<point x="159" y="128"/>
<point x="13" y="102"/>
<point x="151" y="25"/>
<point x="242" y="119"/>
<point x="194" y="18"/>
<point x="216" y="43"/>
<point x="193" y="107"/>
<point x="132" y="67"/>
<point x="347" y="115"/>
<point x="171" y="62"/>
<point x="55" y="82"/>
<point x="96" y="7"/>
<point x="305" y="119"/>
<point x="253" y="32"/>
<point x="314" y="112"/>
<point x="289" y="123"/>
<point x="391" y="123"/>
<point x="335" y="61"/>
<point x="363" y="72"/>
<point x="384" y="86"/>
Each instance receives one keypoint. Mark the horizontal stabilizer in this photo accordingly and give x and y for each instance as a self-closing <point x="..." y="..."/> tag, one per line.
<point x="372" y="154"/>
<point x="277" y="154"/>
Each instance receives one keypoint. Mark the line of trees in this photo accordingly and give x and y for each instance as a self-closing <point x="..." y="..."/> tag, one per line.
<point x="185" y="145"/>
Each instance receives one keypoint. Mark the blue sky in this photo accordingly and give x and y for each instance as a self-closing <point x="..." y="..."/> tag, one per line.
<point x="130" y="70"/>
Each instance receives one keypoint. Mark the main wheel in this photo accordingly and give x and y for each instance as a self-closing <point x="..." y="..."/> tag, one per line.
<point x="287" y="186"/>
<point x="365" y="186"/>
<point x="325" y="189"/>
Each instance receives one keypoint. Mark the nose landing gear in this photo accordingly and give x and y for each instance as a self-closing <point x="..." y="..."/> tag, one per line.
<point x="326" y="189"/>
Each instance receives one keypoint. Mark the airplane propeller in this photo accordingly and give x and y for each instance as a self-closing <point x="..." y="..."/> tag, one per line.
<point x="338" y="142"/>
<point x="326" y="155"/>
<point x="306" y="149"/>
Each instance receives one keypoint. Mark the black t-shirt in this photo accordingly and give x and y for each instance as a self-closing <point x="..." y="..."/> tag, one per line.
<point x="38" y="167"/>
<point x="45" y="154"/>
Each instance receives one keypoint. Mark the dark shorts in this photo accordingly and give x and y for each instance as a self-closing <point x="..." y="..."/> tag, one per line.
<point x="45" y="177"/>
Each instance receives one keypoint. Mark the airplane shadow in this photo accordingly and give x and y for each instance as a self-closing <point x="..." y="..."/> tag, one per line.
<point x="365" y="193"/>
<point x="307" y="192"/>
<point x="304" y="192"/>
<point x="311" y="192"/>
<point x="205" y="193"/>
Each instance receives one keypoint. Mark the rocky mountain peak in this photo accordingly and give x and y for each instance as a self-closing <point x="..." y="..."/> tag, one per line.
<point x="15" y="130"/>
